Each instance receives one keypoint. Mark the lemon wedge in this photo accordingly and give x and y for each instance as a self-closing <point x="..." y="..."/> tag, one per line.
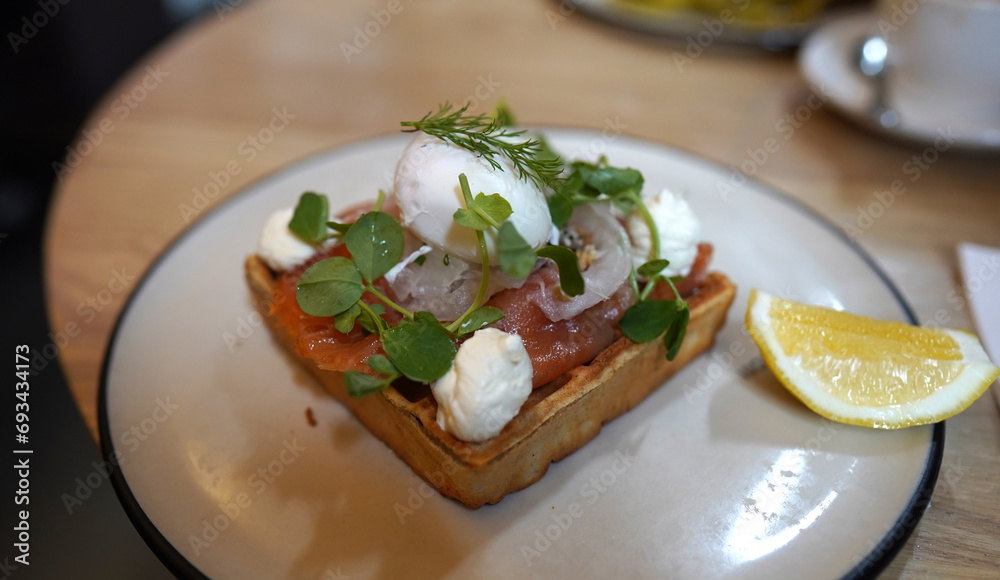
<point x="874" y="373"/>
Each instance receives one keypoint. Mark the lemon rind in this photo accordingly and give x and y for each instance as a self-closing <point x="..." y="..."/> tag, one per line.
<point x="976" y="376"/>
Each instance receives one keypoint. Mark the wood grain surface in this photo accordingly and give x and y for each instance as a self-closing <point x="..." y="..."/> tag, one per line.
<point x="242" y="93"/>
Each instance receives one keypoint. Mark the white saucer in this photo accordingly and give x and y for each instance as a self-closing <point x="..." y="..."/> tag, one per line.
<point x="826" y="60"/>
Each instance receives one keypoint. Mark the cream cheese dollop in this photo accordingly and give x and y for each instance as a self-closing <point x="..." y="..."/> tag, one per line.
<point x="484" y="389"/>
<point x="427" y="192"/>
<point x="679" y="229"/>
<point x="278" y="246"/>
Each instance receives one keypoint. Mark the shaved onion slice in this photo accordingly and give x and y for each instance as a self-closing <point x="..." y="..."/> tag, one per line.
<point x="446" y="286"/>
<point x="605" y="274"/>
<point x="442" y="284"/>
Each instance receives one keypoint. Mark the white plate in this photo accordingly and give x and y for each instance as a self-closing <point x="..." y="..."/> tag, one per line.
<point x="826" y="60"/>
<point x="718" y="474"/>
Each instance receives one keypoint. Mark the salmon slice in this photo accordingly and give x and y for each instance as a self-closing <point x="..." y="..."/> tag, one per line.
<point x="315" y="336"/>
<point x="554" y="347"/>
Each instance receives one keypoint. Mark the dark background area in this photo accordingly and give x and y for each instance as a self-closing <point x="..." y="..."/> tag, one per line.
<point x="58" y="57"/>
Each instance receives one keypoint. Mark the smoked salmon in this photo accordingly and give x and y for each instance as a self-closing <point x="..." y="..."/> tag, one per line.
<point x="554" y="347"/>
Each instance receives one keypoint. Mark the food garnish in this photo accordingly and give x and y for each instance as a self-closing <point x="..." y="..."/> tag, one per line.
<point x="489" y="137"/>
<point x="422" y="347"/>
<point x="862" y="371"/>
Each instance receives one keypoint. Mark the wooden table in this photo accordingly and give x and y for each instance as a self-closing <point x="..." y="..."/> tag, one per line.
<point x="244" y="92"/>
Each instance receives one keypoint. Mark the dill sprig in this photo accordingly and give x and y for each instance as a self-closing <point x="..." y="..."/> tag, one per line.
<point x="487" y="137"/>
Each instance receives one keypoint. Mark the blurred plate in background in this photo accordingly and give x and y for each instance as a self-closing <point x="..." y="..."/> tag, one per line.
<point x="766" y="24"/>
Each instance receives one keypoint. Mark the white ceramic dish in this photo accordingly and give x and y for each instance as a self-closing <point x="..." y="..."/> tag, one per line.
<point x="718" y="474"/>
<point x="827" y="61"/>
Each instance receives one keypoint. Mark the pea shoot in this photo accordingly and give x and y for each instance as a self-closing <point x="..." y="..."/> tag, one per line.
<point x="648" y="319"/>
<point x="419" y="347"/>
<point x="422" y="348"/>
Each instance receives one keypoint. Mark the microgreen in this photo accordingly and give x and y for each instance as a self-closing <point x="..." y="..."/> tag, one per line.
<point x="652" y="267"/>
<point x="493" y="208"/>
<point x="592" y="182"/>
<point x="570" y="278"/>
<point x="338" y="227"/>
<point x="484" y="211"/>
<point x="589" y="182"/>
<point x="345" y="321"/>
<point x="654" y="232"/>
<point x="488" y="137"/>
<point x="310" y="217"/>
<point x="371" y="321"/>
<point x="470" y="219"/>
<point x="613" y="181"/>
<point x="484" y="258"/>
<point x="516" y="256"/>
<point x="674" y="336"/>
<point x="329" y="287"/>
<point x="420" y="349"/>
<point x="479" y="318"/>
<point x="370" y="317"/>
<point x="381" y="365"/>
<point x="359" y="384"/>
<point x="647" y="319"/>
<point x="560" y="208"/>
<point x="379" y="201"/>
<point x="375" y="242"/>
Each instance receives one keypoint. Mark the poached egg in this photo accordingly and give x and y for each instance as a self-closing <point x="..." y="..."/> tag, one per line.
<point x="428" y="193"/>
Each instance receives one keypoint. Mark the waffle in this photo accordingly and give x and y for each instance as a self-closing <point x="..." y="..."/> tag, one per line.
<point x="557" y="419"/>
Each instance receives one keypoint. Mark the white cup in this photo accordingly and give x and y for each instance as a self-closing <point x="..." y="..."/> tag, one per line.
<point x="944" y="57"/>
